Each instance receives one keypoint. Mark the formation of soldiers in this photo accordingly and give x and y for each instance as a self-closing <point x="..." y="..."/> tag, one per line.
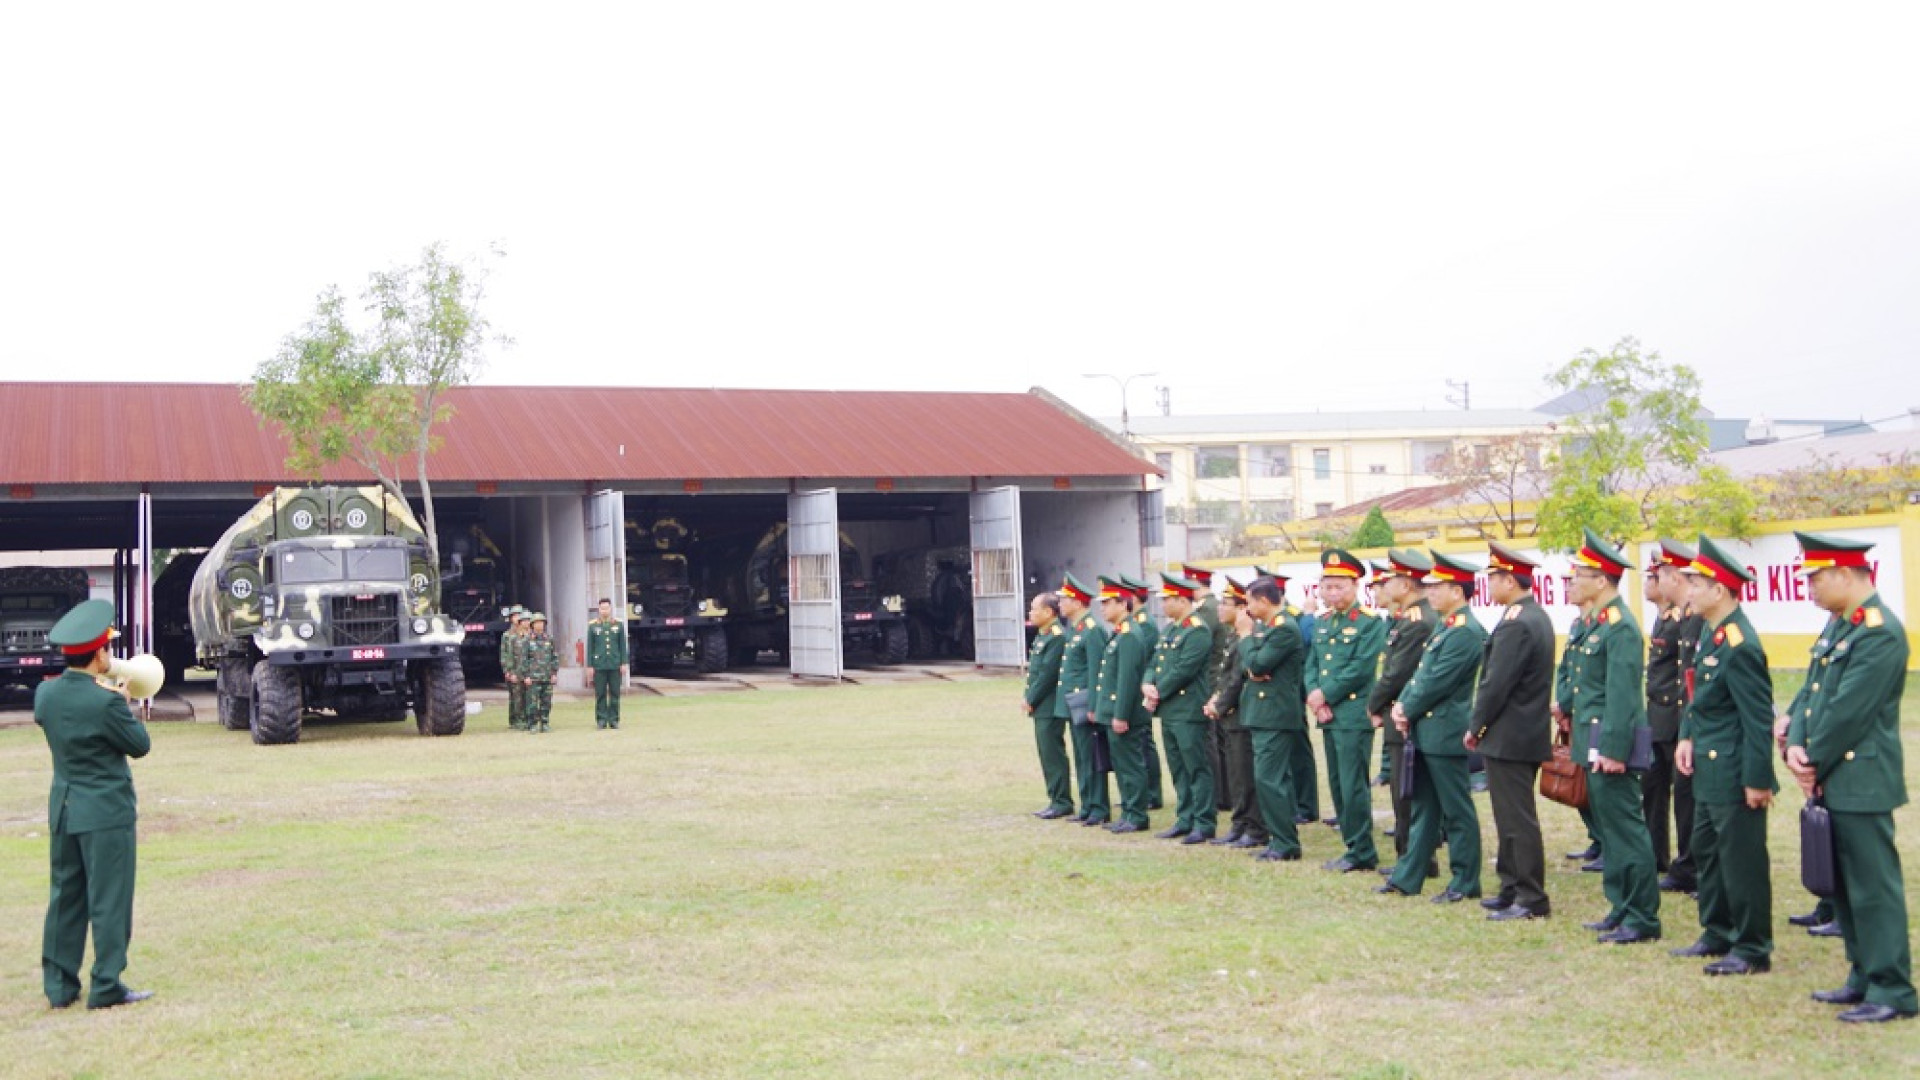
<point x="528" y="661"/>
<point x="1237" y="682"/>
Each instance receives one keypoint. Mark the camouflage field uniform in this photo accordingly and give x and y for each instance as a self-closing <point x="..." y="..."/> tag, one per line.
<point x="540" y="664"/>
<point x="511" y="663"/>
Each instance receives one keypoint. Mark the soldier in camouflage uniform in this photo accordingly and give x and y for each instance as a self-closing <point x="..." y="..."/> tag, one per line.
<point x="511" y="661"/>
<point x="541" y="662"/>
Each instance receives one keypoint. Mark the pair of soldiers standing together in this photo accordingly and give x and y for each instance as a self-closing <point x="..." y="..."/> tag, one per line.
<point x="529" y="662"/>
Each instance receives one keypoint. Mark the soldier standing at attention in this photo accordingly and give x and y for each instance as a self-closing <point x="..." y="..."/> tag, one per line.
<point x="1670" y="649"/>
<point x="540" y="665"/>
<point x="1303" y="774"/>
<point x="1512" y="730"/>
<point x="91" y="811"/>
<point x="1432" y="712"/>
<point x="1248" y="829"/>
<point x="1726" y="746"/>
<point x="1590" y="858"/>
<point x="1079" y="660"/>
<point x="1119" y="706"/>
<point x="1273" y="710"/>
<point x="1843" y="746"/>
<point x="512" y="662"/>
<point x="607" y="656"/>
<point x="1608" y="710"/>
<point x="1207" y="607"/>
<point x="1176" y="691"/>
<point x="1340" y="675"/>
<point x="1041" y="701"/>
<point x="1150" y="636"/>
<point x="1410" y="624"/>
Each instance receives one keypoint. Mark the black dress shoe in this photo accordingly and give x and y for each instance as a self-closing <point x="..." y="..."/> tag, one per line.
<point x="1390" y="889"/>
<point x="1605" y="926"/>
<point x="1232" y="835"/>
<point x="1869" y="1013"/>
<point x="1156" y="804"/>
<point x="1126" y="827"/>
<point x="1627" y="935"/>
<point x="1846" y="995"/>
<point x="1496" y="903"/>
<point x="1733" y="965"/>
<point x="1196" y="837"/>
<point x="132" y="996"/>
<point x="1344" y="865"/>
<point x="1829" y="929"/>
<point x="1387" y="871"/>
<point x="1088" y="823"/>
<point x="1303" y="819"/>
<point x="1271" y="855"/>
<point x="1388" y="833"/>
<point x="1450" y="896"/>
<point x="1701" y="948"/>
<point x="1246" y="842"/>
<point x="1331" y="822"/>
<point x="1597" y="866"/>
<point x="1591" y="853"/>
<point x="1051" y="813"/>
<point x="1514" y="912"/>
<point x="1171" y="834"/>
<point x="1811" y="918"/>
<point x="1669" y="883"/>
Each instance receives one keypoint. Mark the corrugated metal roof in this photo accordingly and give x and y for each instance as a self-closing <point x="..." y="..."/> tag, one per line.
<point x="1874" y="451"/>
<point x="1172" y="427"/>
<point x="115" y="433"/>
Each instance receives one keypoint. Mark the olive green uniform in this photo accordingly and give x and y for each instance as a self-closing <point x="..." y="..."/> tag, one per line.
<point x="1150" y="636"/>
<point x="540" y="663"/>
<point x="513" y="661"/>
<point x="1117" y="697"/>
<point x="1273" y="709"/>
<point x="1730" y="722"/>
<point x="1437" y="703"/>
<point x="1847" y="719"/>
<point x="1086" y="644"/>
<point x="1042" y="697"/>
<point x="1303" y="774"/>
<point x="1407" y="634"/>
<point x="1179" y="674"/>
<point x="1607" y="681"/>
<point x="1563" y="693"/>
<point x="1344" y="665"/>
<point x="1236" y="777"/>
<point x="1206" y="608"/>
<point x="91" y="811"/>
<point x="606" y="655"/>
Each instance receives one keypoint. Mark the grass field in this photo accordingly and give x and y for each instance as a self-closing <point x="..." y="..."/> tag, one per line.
<point x="829" y="883"/>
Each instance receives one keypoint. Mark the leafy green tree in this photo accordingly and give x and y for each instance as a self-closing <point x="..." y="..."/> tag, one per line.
<point x="1374" y="532"/>
<point x="1635" y="458"/>
<point x="374" y="394"/>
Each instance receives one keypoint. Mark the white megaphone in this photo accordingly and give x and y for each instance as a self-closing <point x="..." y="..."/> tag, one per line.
<point x="142" y="675"/>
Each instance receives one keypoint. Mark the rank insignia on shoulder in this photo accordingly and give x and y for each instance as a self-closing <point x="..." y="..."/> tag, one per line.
<point x="1874" y="619"/>
<point x="1056" y="630"/>
<point x="1733" y="636"/>
<point x="1413" y="614"/>
<point x="1193" y="620"/>
<point x="1513" y="612"/>
<point x="1458" y="618"/>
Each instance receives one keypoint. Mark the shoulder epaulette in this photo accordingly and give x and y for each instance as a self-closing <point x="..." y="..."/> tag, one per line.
<point x="1125" y="626"/>
<point x="1734" y="636"/>
<point x="1603" y="616"/>
<point x="1413" y="614"/>
<point x="1874" y="619"/>
<point x="1513" y="612"/>
<point x="1293" y="610"/>
<point x="1194" y="620"/>
<point x="1056" y="630"/>
<point x="1458" y="618"/>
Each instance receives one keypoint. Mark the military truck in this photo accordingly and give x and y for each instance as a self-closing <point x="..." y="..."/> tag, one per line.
<point x="172" y="622"/>
<point x="667" y="619"/>
<point x="326" y="598"/>
<point x="873" y="626"/>
<point x="32" y="599"/>
<point x="936" y="584"/>
<point x="473" y="590"/>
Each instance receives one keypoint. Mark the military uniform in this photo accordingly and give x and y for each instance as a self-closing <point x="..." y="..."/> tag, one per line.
<point x="1149" y="636"/>
<point x="1207" y="608"/>
<point x="91" y="814"/>
<point x="1436" y="703"/>
<point x="1577" y="632"/>
<point x="1344" y="664"/>
<point x="541" y="662"/>
<point x="1246" y="827"/>
<point x="1609" y="711"/>
<point x="1042" y="697"/>
<point x="1513" y="729"/>
<point x="1117" y="697"/>
<point x="1847" y="721"/>
<point x="1179" y="676"/>
<point x="512" y="663"/>
<point x="1671" y="644"/>
<point x="1407" y="634"/>
<point x="1729" y="728"/>
<point x="606" y="655"/>
<point x="1273" y="710"/>
<point x="1086" y="644"/>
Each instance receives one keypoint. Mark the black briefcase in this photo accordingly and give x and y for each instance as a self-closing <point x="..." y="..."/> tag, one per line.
<point x="1818" y="871"/>
<point x="1409" y="754"/>
<point x="1102" y="755"/>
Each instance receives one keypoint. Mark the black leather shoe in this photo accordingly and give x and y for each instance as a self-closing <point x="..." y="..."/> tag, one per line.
<point x="1389" y="833"/>
<point x="1382" y="780"/>
<point x="1271" y="855"/>
<point x="1156" y="804"/>
<point x="1514" y="912"/>
<point x="1330" y="822"/>
<point x="1845" y="995"/>
<point x="1829" y="929"/>
<point x="132" y="996"/>
<point x="1496" y="903"/>
<point x="1088" y="823"/>
<point x="1591" y="853"/>
<point x="1232" y="835"/>
<point x="1627" y="935"/>
<point x="1170" y="834"/>
<point x="1699" y="948"/>
<point x="1196" y="838"/>
<point x="1597" y="866"/>
<point x="1344" y="865"/>
<point x="1669" y="883"/>
<point x="1871" y="1014"/>
<point x="1733" y="965"/>
<point x="1246" y="842"/>
<point x="1303" y="819"/>
<point x="1051" y="813"/>
<point x="1452" y="897"/>
<point x="1127" y="827"/>
<point x="1390" y="889"/>
<point x="1386" y="871"/>
<point x="1811" y="918"/>
<point x="67" y="1004"/>
<point x="1604" y="926"/>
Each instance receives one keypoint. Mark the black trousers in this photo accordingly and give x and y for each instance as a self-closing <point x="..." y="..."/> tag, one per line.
<point x="1239" y="784"/>
<point x="1660" y="787"/>
<point x="1520" y="857"/>
<point x="1217" y="761"/>
<point x="1402" y="808"/>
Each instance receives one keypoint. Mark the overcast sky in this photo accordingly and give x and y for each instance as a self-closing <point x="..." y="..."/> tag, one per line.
<point x="1273" y="206"/>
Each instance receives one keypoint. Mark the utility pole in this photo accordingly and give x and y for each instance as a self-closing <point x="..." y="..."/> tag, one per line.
<point x="1126" y="428"/>
<point x="1165" y="396"/>
<point x="1465" y="400"/>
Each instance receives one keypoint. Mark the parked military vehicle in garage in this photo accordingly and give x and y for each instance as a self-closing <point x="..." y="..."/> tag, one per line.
<point x="668" y="619"/>
<point x="936" y="586"/>
<point x="754" y="591"/>
<point x="327" y="598"/>
<point x="473" y="591"/>
<point x="32" y="599"/>
<point x="172" y="621"/>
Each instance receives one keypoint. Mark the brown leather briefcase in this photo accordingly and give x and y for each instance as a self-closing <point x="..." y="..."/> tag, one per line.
<point x="1561" y="779"/>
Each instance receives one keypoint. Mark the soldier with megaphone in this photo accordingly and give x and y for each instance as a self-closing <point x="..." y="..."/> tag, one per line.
<point x="91" y="810"/>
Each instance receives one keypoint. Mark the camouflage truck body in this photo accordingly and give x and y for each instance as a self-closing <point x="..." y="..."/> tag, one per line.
<point x="873" y="627"/>
<point x="32" y="599"/>
<point x="668" y="620"/>
<point x="327" y="598"/>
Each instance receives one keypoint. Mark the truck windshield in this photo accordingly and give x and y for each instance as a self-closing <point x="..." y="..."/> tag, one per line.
<point x="306" y="566"/>
<point x="377" y="564"/>
<point x="30" y="602"/>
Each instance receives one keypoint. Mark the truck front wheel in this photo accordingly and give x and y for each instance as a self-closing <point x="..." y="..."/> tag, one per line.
<point x="440" y="697"/>
<point x="275" y="713"/>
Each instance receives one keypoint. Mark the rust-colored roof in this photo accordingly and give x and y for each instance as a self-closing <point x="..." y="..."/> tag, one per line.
<point x="116" y="433"/>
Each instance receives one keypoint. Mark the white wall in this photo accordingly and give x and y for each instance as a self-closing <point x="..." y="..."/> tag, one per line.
<point x="1087" y="533"/>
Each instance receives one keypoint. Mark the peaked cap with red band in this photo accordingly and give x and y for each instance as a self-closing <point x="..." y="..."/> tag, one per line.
<point x="1502" y="559"/>
<point x="1448" y="570"/>
<point x="1818" y="552"/>
<point x="1071" y="586"/>
<point x="1198" y="574"/>
<point x="1672" y="553"/>
<point x="1337" y="563"/>
<point x="1407" y="563"/>
<point x="85" y="629"/>
<point x="1235" y="590"/>
<point x="1139" y="588"/>
<point x="1178" y="587"/>
<point x="1714" y="562"/>
<point x="1276" y="575"/>
<point x="1114" y="589"/>
<point x="1597" y="554"/>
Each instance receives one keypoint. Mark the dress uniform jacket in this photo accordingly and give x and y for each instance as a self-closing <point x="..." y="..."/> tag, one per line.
<point x="1180" y="671"/>
<point x="1345" y="662"/>
<point x="1407" y="636"/>
<point x="1044" y="660"/>
<point x="1731" y="717"/>
<point x="1437" y="701"/>
<point x="1439" y="697"/>
<point x="91" y="733"/>
<point x="1510" y="714"/>
<point x="1123" y="668"/>
<point x="1670" y="651"/>
<point x="1607" y="683"/>
<point x="606" y="644"/>
<point x="1080" y="657"/>
<point x="1272" y="698"/>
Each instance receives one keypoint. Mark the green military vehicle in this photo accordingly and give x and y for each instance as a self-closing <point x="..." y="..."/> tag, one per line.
<point x="473" y="590"/>
<point x="32" y="599"/>
<point x="327" y="598"/>
<point x="873" y="626"/>
<point x="667" y="619"/>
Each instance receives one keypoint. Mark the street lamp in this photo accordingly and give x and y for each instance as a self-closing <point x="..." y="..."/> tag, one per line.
<point x="1125" y="431"/>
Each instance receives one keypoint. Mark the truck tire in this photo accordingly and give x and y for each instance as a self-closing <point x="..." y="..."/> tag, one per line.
<point x="895" y="644"/>
<point x="710" y="655"/>
<point x="233" y="689"/>
<point x="275" y="715"/>
<point x="440" y="697"/>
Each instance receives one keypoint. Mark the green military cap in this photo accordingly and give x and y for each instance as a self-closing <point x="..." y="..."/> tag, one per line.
<point x="538" y="616"/>
<point x="85" y="629"/>
<point x="1599" y="555"/>
<point x="1071" y="586"/>
<point x="1671" y="553"/>
<point x="1714" y="562"/>
<point x="1409" y="562"/>
<point x="1175" y="586"/>
<point x="1819" y="551"/>
<point x="1336" y="562"/>
<point x="1261" y="571"/>
<point x="1115" y="588"/>
<point x="1450" y="570"/>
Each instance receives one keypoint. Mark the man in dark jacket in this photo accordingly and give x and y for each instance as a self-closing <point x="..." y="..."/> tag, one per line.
<point x="1670" y="648"/>
<point x="1410" y="622"/>
<point x="1512" y="730"/>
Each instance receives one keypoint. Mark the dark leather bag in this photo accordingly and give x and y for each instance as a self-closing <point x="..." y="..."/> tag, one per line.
<point x="1817" y="869"/>
<point x="1409" y="757"/>
<point x="1561" y="780"/>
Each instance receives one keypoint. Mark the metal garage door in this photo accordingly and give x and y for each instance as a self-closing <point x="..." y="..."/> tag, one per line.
<point x="813" y="583"/>
<point x="999" y="609"/>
